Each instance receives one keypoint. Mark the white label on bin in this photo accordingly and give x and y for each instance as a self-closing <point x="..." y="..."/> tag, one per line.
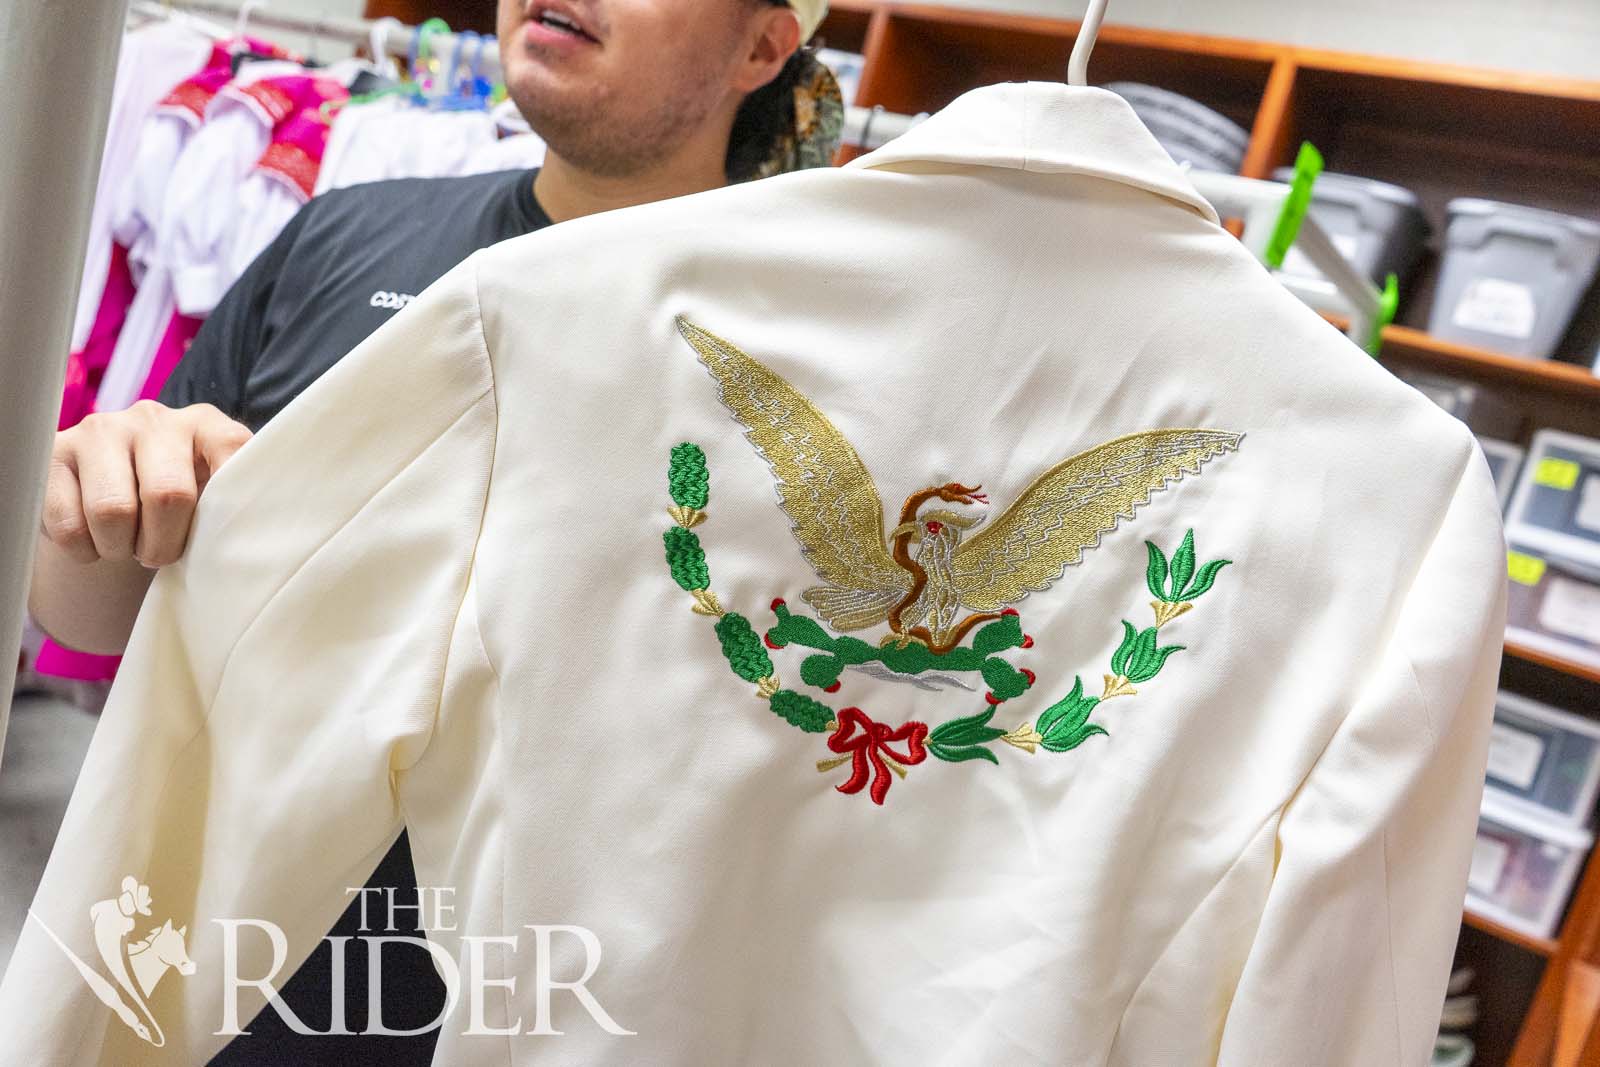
<point x="1514" y="755"/>
<point x="1588" y="515"/>
<point x="1494" y="305"/>
<point x="1488" y="860"/>
<point x="1571" y="609"/>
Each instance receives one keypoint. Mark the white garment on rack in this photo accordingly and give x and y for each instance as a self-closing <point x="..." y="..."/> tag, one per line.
<point x="186" y="217"/>
<point x="390" y="138"/>
<point x="266" y="204"/>
<point x="154" y="59"/>
<point x="339" y="168"/>
<point x="521" y="151"/>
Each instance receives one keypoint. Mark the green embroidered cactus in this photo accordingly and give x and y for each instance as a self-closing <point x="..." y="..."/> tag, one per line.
<point x="837" y="653"/>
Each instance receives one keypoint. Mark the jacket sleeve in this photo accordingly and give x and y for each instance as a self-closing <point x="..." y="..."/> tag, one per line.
<point x="1349" y="965"/>
<point x="279" y="682"/>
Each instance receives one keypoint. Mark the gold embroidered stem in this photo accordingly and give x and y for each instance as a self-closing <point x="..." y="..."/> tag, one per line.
<point x="1024" y="737"/>
<point x="688" y="518"/>
<point x="894" y="766"/>
<point x="834" y="761"/>
<point x="706" y="603"/>
<point x="1117" y="686"/>
<point x="767" y="686"/>
<point x="1166" y="612"/>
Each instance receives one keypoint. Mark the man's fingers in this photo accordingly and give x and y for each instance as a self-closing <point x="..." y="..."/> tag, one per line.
<point x="163" y="463"/>
<point x="63" y="522"/>
<point x="103" y="453"/>
<point x="216" y="438"/>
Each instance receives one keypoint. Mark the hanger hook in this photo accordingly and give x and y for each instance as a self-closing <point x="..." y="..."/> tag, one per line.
<point x="242" y="23"/>
<point x="1088" y="30"/>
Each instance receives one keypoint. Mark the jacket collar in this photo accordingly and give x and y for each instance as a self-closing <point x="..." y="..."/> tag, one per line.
<point x="1046" y="127"/>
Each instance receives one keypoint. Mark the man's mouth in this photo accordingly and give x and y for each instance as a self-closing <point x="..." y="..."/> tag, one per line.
<point x="559" y="21"/>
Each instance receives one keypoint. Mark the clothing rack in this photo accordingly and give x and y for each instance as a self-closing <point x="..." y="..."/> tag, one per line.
<point x="390" y="35"/>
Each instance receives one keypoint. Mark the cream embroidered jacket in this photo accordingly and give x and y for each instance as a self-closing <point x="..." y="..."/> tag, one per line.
<point x="955" y="608"/>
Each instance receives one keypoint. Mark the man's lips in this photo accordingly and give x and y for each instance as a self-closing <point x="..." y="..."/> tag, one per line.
<point x="550" y="23"/>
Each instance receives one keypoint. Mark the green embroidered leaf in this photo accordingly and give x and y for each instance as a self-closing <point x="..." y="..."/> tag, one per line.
<point x="1148" y="660"/>
<point x="1204" y="580"/>
<point x="1064" y="719"/>
<point x="1119" y="658"/>
<point x="797" y="709"/>
<point x="1071" y="740"/>
<point x="1183" y="565"/>
<point x="1155" y="574"/>
<point x="960" y="755"/>
<point x="743" y="648"/>
<point x="963" y="739"/>
<point x="971" y="730"/>
<point x="687" y="479"/>
<point x="686" y="558"/>
<point x="1063" y="707"/>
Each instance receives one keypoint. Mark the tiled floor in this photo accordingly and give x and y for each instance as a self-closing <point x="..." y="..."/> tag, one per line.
<point x="44" y="748"/>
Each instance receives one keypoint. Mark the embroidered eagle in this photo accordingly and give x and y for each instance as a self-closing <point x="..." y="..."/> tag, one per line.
<point x="932" y="567"/>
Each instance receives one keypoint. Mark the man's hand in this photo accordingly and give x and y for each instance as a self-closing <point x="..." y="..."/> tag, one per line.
<point x="121" y="494"/>
<point x="123" y="484"/>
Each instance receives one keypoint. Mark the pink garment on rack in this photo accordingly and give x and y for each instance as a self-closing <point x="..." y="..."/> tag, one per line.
<point x="85" y="366"/>
<point x="174" y="343"/>
<point x="188" y="102"/>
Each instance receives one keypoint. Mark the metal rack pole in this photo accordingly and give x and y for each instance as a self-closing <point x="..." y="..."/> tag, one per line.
<point x="58" y="63"/>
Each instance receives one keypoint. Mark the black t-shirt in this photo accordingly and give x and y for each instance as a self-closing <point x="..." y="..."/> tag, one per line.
<point x="345" y="263"/>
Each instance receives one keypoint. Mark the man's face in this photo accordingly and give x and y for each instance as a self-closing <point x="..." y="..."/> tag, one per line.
<point x="614" y="85"/>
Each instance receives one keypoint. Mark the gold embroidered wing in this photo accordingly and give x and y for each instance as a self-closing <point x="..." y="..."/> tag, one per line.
<point x="1064" y="512"/>
<point x="824" y="488"/>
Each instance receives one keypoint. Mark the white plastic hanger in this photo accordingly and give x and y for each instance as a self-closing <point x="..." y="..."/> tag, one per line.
<point x="243" y="21"/>
<point x="1078" y="64"/>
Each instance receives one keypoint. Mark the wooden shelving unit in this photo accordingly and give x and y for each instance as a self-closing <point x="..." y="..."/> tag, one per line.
<point x="1442" y="131"/>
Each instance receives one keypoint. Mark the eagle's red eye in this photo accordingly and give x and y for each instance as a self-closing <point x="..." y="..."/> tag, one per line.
<point x="935" y="527"/>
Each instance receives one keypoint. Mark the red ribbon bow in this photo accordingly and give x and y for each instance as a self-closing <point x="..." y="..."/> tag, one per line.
<point x="872" y="744"/>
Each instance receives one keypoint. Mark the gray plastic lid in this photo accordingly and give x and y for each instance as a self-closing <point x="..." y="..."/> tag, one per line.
<point x="1216" y="123"/>
<point x="1397" y="195"/>
<point x="1468" y="205"/>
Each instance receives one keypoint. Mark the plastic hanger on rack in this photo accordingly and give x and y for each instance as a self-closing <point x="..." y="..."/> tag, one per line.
<point x="1088" y="30"/>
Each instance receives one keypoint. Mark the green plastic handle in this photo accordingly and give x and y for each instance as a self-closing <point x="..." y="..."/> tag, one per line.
<point x="1307" y="165"/>
<point x="1388" y="304"/>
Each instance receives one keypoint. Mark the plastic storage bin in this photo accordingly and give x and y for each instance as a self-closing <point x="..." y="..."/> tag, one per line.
<point x="1553" y="604"/>
<point x="1505" y="460"/>
<point x="1523" y="867"/>
<point x="1544" y="760"/>
<point x="1190" y="132"/>
<point x="1379" y="227"/>
<point x="1485" y="412"/>
<point x="1556" y="506"/>
<point x="1512" y="276"/>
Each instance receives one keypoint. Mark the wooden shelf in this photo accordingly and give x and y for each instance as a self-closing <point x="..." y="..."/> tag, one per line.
<point x="1413" y="345"/>
<point x="1540" y="946"/>
<point x="1553" y="662"/>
